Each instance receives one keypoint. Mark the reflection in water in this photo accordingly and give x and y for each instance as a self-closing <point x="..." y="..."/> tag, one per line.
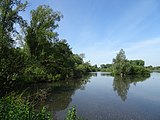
<point x="105" y="73"/>
<point x="55" y="96"/>
<point x="122" y="84"/>
<point x="97" y="100"/>
<point x="93" y="74"/>
<point x="60" y="94"/>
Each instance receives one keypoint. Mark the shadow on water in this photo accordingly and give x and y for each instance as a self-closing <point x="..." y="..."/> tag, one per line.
<point x="105" y="73"/>
<point x="122" y="84"/>
<point x="55" y="96"/>
<point x="97" y="74"/>
<point x="94" y="74"/>
<point x="58" y="95"/>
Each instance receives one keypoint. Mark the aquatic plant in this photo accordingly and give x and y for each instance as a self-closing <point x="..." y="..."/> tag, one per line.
<point x="72" y="115"/>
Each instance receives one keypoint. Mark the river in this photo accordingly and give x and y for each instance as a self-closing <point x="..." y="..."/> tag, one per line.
<point x="100" y="96"/>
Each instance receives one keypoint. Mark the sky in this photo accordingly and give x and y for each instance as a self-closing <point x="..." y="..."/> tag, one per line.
<point x="100" y="28"/>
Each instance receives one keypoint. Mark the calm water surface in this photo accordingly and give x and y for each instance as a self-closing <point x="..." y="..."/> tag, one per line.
<point x="103" y="97"/>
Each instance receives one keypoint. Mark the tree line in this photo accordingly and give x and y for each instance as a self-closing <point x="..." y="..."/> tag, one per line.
<point x="40" y="54"/>
<point x="122" y="66"/>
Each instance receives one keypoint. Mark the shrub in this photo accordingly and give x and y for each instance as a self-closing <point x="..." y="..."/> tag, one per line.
<point x="34" y="73"/>
<point x="16" y="108"/>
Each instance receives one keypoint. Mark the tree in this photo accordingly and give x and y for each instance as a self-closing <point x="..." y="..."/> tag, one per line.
<point x="106" y="67"/>
<point x="119" y="63"/>
<point x="40" y="42"/>
<point x="39" y="34"/>
<point x="122" y="66"/>
<point x="103" y="66"/>
<point x="137" y="62"/>
<point x="43" y="56"/>
<point x="61" y="61"/>
<point x="82" y="55"/>
<point x="11" y="58"/>
<point x="9" y="16"/>
<point x="78" y="60"/>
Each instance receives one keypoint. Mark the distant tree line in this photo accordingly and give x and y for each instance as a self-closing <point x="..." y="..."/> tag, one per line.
<point x="122" y="66"/>
<point x="153" y="68"/>
<point x="106" y="67"/>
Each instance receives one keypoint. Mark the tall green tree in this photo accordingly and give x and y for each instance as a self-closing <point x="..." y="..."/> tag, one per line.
<point x="122" y="66"/>
<point x="41" y="41"/>
<point x="120" y="63"/>
<point x="54" y="56"/>
<point x="10" y="59"/>
<point x="64" y="63"/>
<point x="40" y="34"/>
<point x="9" y="16"/>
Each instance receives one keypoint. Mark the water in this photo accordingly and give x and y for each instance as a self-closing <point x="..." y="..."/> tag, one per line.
<point x="103" y="97"/>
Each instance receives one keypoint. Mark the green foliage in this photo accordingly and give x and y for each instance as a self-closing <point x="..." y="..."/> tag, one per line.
<point x="84" y="68"/>
<point x="119" y="63"/>
<point x="122" y="66"/>
<point x="106" y="67"/>
<point x="152" y="68"/>
<point x="77" y="59"/>
<point x="12" y="60"/>
<point x="52" y="54"/>
<point x="137" y="62"/>
<point x="34" y="72"/>
<point x="12" y="65"/>
<point x="42" y="57"/>
<point x="63" y="59"/>
<point x="9" y="16"/>
<point x="14" y="107"/>
<point x="72" y="115"/>
<point x="39" y="34"/>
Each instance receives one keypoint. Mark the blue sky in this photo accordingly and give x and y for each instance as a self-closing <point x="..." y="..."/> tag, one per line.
<point x="100" y="28"/>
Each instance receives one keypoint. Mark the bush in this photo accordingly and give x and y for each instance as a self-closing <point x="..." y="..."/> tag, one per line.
<point x="16" y="108"/>
<point x="34" y="73"/>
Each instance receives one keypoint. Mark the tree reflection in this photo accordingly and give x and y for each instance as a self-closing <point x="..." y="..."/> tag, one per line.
<point x="55" y="96"/>
<point x="105" y="73"/>
<point x="122" y="84"/>
<point x="60" y="93"/>
<point x="94" y="74"/>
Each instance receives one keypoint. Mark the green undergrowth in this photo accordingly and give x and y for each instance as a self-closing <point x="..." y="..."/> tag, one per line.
<point x="17" y="107"/>
<point x="72" y="114"/>
<point x="14" y="107"/>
